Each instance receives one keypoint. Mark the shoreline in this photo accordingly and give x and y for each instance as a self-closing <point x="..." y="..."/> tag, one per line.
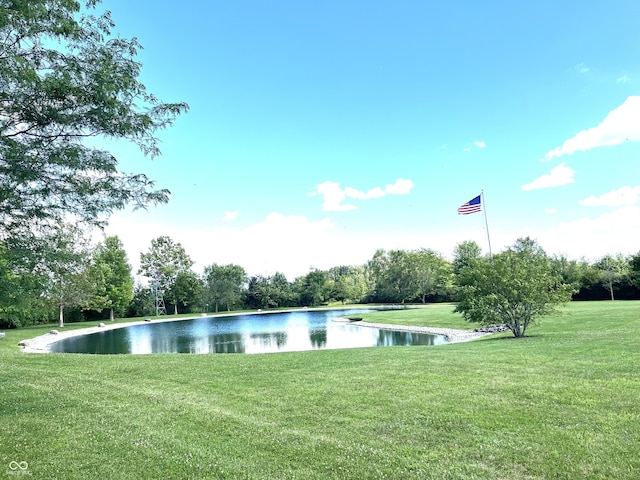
<point x="453" y="335"/>
<point x="42" y="343"/>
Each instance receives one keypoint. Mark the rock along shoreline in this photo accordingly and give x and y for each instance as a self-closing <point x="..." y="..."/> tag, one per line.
<point x="453" y="335"/>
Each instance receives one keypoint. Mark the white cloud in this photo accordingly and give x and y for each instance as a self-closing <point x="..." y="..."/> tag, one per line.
<point x="477" y="144"/>
<point x="623" y="79"/>
<point x="559" y="176"/>
<point x="288" y="244"/>
<point x="550" y="211"/>
<point x="621" y="124"/>
<point x="229" y="216"/>
<point x="615" y="198"/>
<point x="334" y="195"/>
<point x="591" y="238"/>
<point x="376" y="192"/>
<point x="291" y="244"/>
<point x="401" y="187"/>
<point x="581" y="68"/>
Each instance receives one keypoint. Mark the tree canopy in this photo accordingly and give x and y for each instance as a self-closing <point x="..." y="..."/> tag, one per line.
<point x="513" y="288"/>
<point x="112" y="273"/>
<point x="163" y="263"/>
<point x="64" y="80"/>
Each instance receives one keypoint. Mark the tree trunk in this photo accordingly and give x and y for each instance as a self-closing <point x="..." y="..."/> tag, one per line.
<point x="611" y="290"/>
<point x="111" y="314"/>
<point x="175" y="309"/>
<point x="61" y="320"/>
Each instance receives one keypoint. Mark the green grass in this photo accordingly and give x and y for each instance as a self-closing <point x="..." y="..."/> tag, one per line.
<point x="439" y="315"/>
<point x="563" y="403"/>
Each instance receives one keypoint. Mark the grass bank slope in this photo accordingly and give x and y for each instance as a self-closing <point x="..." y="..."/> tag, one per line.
<point x="561" y="403"/>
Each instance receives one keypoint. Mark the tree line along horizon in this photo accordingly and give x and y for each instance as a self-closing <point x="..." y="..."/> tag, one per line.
<point x="81" y="282"/>
<point x="68" y="78"/>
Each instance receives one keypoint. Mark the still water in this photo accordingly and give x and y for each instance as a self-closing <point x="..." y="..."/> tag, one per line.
<point x="260" y="333"/>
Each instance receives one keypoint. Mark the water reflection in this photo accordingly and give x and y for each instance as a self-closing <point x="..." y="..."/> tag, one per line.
<point x="274" y="332"/>
<point x="318" y="338"/>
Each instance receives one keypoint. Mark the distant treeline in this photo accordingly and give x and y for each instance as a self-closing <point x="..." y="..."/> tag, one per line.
<point x="101" y="283"/>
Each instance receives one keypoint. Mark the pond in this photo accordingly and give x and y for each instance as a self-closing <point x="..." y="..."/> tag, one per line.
<point x="255" y="333"/>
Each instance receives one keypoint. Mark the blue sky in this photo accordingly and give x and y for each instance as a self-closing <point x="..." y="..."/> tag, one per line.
<point x="319" y="132"/>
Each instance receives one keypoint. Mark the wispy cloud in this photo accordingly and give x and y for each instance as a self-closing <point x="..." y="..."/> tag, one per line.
<point x="580" y="68"/>
<point x="334" y="195"/>
<point x="623" y="79"/>
<point x="615" y="198"/>
<point x="621" y="125"/>
<point x="477" y="144"/>
<point x="229" y="216"/>
<point x="559" y="176"/>
<point x="550" y="211"/>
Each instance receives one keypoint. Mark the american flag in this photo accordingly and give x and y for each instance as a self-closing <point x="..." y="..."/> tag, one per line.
<point x="472" y="206"/>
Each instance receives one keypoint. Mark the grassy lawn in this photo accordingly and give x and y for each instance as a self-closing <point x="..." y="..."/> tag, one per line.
<point x="563" y="403"/>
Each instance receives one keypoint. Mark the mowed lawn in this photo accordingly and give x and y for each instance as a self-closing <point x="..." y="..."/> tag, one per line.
<point x="563" y="403"/>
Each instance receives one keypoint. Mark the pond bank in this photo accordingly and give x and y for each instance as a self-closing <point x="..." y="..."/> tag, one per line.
<point x="453" y="335"/>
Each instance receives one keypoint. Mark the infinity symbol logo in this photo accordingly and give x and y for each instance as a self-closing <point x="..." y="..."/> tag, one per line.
<point x="18" y="466"/>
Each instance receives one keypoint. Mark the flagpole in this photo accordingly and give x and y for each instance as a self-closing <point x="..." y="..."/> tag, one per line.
<point x="484" y="211"/>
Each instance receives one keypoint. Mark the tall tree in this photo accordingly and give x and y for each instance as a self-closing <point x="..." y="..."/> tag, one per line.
<point x="613" y="270"/>
<point x="281" y="291"/>
<point x="464" y="254"/>
<point x="349" y="283"/>
<point x="432" y="273"/>
<point x="187" y="291"/>
<point x="67" y="265"/>
<point x="164" y="261"/>
<point x="513" y="288"/>
<point x="113" y="275"/>
<point x="223" y="284"/>
<point x="393" y="276"/>
<point x="21" y="288"/>
<point x="634" y="270"/>
<point x="65" y="79"/>
<point x="315" y="288"/>
<point x="142" y="303"/>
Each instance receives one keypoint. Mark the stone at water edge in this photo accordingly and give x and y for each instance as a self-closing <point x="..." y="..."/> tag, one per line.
<point x="54" y="332"/>
<point x="101" y="325"/>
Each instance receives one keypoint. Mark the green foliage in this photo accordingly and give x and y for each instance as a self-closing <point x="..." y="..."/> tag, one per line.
<point x="112" y="273"/>
<point x="350" y="283"/>
<point x="269" y="292"/>
<point x="613" y="270"/>
<point x="66" y="265"/>
<point x="164" y="261"/>
<point x="188" y="291"/>
<point x="464" y="255"/>
<point x="634" y="270"/>
<point x="66" y="79"/>
<point x="513" y="288"/>
<point x="314" y="288"/>
<point x="223" y="285"/>
<point x="142" y="303"/>
<point x="401" y="276"/>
